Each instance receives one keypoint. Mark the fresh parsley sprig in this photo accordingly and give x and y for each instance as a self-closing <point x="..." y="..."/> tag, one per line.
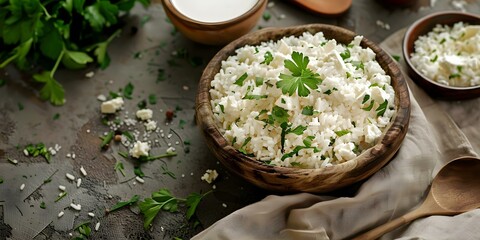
<point x="45" y="34"/>
<point x="302" y="79"/>
<point x="165" y="201"/>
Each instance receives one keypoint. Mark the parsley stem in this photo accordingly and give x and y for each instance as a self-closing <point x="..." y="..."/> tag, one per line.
<point x="115" y="34"/>
<point x="46" y="12"/>
<point x="151" y="158"/>
<point x="54" y="69"/>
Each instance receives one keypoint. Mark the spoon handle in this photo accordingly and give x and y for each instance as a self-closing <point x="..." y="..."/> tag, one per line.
<point x="387" y="227"/>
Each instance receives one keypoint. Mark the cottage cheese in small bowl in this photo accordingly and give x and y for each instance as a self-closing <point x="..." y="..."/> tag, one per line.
<point x="449" y="55"/>
<point x="305" y="102"/>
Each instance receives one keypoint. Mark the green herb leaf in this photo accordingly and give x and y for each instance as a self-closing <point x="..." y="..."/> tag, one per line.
<point x="56" y="116"/>
<point x="268" y="58"/>
<point x="138" y="172"/>
<point x="128" y="91"/>
<point x="106" y="139"/>
<point x="192" y="203"/>
<point x="396" y="57"/>
<point x="298" y="130"/>
<point x="307" y="110"/>
<point x="358" y="65"/>
<point x="152" y="99"/>
<point x="84" y="229"/>
<point x="242" y="148"/>
<point x="302" y="79"/>
<point x="161" y="200"/>
<point x="365" y="98"/>
<point x="266" y="16"/>
<point x="241" y="79"/>
<point x="254" y="97"/>
<point x="62" y="195"/>
<point x="42" y="205"/>
<point x="120" y="205"/>
<point x="369" y="107"/>
<point x="280" y="115"/>
<point x="168" y="172"/>
<point x="51" y="90"/>
<point x="434" y="59"/>
<point x="345" y="54"/>
<point x="382" y="108"/>
<point x="38" y="150"/>
<point x="258" y="81"/>
<point x="454" y="75"/>
<point x="119" y="167"/>
<point x="342" y="132"/>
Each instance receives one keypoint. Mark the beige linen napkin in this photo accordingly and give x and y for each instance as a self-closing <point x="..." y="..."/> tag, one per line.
<point x="433" y="139"/>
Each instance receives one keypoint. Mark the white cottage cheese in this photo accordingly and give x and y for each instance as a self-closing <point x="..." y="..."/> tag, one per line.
<point x="344" y="116"/>
<point x="449" y="55"/>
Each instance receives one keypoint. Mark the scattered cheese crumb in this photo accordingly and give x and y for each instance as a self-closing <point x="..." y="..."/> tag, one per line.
<point x="150" y="125"/>
<point x="210" y="176"/>
<point x="170" y="150"/>
<point x="111" y="106"/>
<point x="140" y="149"/>
<point x="101" y="98"/>
<point x="144" y="114"/>
<point x="89" y="74"/>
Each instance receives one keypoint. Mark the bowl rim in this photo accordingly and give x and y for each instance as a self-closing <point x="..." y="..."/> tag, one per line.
<point x="199" y="24"/>
<point x="396" y="130"/>
<point x="408" y="36"/>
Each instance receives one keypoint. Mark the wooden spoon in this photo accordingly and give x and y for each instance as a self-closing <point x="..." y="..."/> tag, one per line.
<point x="325" y="7"/>
<point x="455" y="190"/>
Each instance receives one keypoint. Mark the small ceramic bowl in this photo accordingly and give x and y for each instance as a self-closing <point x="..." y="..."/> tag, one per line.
<point x="214" y="33"/>
<point x="422" y="27"/>
<point x="296" y="179"/>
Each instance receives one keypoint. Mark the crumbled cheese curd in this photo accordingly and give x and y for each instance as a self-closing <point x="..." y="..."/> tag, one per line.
<point x="144" y="114"/>
<point x="209" y="176"/>
<point x="347" y="113"/>
<point x="111" y="106"/>
<point x="449" y="55"/>
<point x="139" y="149"/>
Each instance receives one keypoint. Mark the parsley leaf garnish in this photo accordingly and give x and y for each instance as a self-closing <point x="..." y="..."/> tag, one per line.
<point x="369" y="107"/>
<point x="164" y="200"/>
<point x="241" y="79"/>
<point x="342" y="132"/>
<point x="365" y="98"/>
<point x="121" y="204"/>
<point x="307" y="110"/>
<point x="119" y="167"/>
<point x="268" y="58"/>
<point x="279" y="114"/>
<point x="382" y="108"/>
<point x="345" y="54"/>
<point x="302" y="79"/>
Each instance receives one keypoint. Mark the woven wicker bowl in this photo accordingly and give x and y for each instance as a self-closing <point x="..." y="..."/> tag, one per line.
<point x="294" y="179"/>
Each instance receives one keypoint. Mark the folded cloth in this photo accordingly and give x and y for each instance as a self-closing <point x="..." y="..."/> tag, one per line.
<point x="432" y="140"/>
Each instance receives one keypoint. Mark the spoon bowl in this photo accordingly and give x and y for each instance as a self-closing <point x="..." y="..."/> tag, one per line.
<point x="454" y="190"/>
